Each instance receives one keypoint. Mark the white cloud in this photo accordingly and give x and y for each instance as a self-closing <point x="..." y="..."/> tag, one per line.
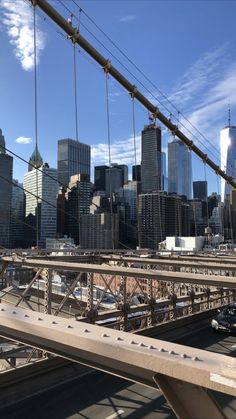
<point x="122" y="152"/>
<point x="24" y="140"/>
<point x="18" y="20"/>
<point x="128" y="18"/>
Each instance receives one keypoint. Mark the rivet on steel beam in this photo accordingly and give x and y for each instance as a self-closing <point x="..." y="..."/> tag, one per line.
<point x="162" y="350"/>
<point x="151" y="347"/>
<point x="118" y="338"/>
<point x="172" y="352"/>
<point x="104" y="335"/>
<point x="195" y="358"/>
<point x="132" y="342"/>
<point x="53" y="322"/>
<point x="86" y="331"/>
<point x="14" y="312"/>
<point x="69" y="326"/>
<point x="26" y="315"/>
<point x="40" y="318"/>
<point x="2" y="309"/>
<point x="184" y="356"/>
<point x="142" y="345"/>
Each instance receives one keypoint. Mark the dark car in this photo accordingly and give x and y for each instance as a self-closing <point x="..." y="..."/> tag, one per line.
<point x="225" y="319"/>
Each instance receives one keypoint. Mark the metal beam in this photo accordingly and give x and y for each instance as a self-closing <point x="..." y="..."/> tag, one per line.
<point x="136" y="358"/>
<point x="75" y="36"/>
<point x="200" y="264"/>
<point x="166" y="276"/>
<point x="188" y="400"/>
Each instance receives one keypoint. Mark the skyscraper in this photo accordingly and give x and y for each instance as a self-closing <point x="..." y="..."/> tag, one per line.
<point x="73" y="158"/>
<point x="164" y="185"/>
<point x="200" y="189"/>
<point x="228" y="155"/>
<point x="35" y="160"/>
<point x="136" y="172"/>
<point x="17" y="215"/>
<point x="179" y="168"/>
<point x="151" y="175"/>
<point x="100" y="178"/>
<point x="6" y="163"/>
<point x="44" y="207"/>
<point x="78" y="199"/>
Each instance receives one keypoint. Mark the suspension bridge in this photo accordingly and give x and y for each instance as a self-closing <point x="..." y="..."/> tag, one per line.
<point x="107" y="328"/>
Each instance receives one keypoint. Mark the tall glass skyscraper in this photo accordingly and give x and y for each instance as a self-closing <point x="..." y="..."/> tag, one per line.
<point x="179" y="168"/>
<point x="228" y="155"/>
<point x="73" y="158"/>
<point x="6" y="163"/>
<point x="46" y="187"/>
<point x="151" y="174"/>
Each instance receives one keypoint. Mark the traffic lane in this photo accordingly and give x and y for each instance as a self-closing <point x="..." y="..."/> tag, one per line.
<point x="211" y="340"/>
<point x="84" y="398"/>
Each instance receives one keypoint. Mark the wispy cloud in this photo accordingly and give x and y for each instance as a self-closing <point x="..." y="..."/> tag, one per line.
<point x="18" y="20"/>
<point x="128" y="18"/>
<point x="24" y="140"/>
<point x="202" y="95"/>
<point x="122" y="152"/>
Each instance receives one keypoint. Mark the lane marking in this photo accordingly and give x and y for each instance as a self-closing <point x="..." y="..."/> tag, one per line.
<point x="114" y="415"/>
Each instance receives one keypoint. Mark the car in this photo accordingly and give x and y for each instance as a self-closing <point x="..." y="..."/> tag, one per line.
<point x="225" y="319"/>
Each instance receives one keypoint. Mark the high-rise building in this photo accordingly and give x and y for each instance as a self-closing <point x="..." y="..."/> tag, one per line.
<point x="151" y="174"/>
<point x="73" y="158"/>
<point x="136" y="172"/>
<point x="164" y="185"/>
<point x="6" y="163"/>
<point x="179" y="168"/>
<point x="114" y="179"/>
<point x="100" y="178"/>
<point x="200" y="189"/>
<point x="160" y="215"/>
<point x="17" y="215"/>
<point x="97" y="233"/>
<point x="78" y="199"/>
<point x="228" y="155"/>
<point x="41" y="204"/>
<point x="35" y="160"/>
<point x="131" y="191"/>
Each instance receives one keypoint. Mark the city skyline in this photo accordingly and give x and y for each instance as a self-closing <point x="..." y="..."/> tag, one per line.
<point x="201" y="82"/>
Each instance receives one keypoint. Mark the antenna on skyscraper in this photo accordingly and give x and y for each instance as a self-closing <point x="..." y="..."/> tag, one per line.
<point x="229" y="114"/>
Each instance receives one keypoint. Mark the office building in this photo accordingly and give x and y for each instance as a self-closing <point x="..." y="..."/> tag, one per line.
<point x="41" y="212"/>
<point x="160" y="215"/>
<point x="78" y="199"/>
<point x="151" y="173"/>
<point x="228" y="155"/>
<point x="131" y="191"/>
<point x="200" y="190"/>
<point x="136" y="172"/>
<point x="179" y="168"/>
<point x="73" y="158"/>
<point x="100" y="178"/>
<point x="17" y="215"/>
<point x="6" y="163"/>
<point x="164" y="185"/>
<point x="35" y="160"/>
<point x="96" y="231"/>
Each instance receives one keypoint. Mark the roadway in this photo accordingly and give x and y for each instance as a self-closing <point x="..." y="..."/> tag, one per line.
<point x="99" y="396"/>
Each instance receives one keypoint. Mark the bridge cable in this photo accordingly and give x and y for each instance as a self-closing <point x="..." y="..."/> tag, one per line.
<point x="109" y="155"/>
<point x="136" y="169"/>
<point x="149" y="81"/>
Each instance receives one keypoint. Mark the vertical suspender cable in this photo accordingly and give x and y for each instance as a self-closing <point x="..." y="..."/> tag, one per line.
<point x="136" y="169"/>
<point x="75" y="93"/>
<point x="207" y="209"/>
<point x="36" y="135"/>
<point x="36" y="122"/>
<point x="109" y="158"/>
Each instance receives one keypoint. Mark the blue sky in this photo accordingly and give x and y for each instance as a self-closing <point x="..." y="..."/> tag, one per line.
<point x="186" y="48"/>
